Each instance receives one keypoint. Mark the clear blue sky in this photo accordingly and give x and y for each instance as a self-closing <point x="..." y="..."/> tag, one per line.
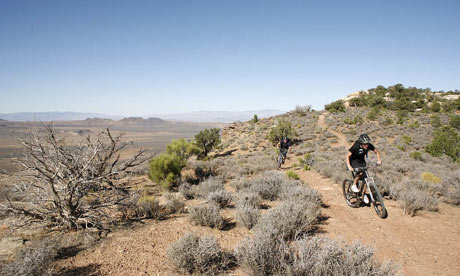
<point x="150" y="57"/>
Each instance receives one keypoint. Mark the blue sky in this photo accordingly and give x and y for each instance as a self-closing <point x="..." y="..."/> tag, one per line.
<point x="150" y="57"/>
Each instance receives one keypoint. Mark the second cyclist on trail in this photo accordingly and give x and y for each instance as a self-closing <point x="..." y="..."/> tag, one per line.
<point x="284" y="146"/>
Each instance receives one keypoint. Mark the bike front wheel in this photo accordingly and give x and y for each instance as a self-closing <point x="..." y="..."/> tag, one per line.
<point x="280" y="160"/>
<point x="379" y="207"/>
<point x="350" y="197"/>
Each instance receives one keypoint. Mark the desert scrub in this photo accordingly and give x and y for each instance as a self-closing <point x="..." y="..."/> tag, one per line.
<point x="174" y="204"/>
<point x="247" y="215"/>
<point x="292" y="175"/>
<point x="194" y="254"/>
<point x="289" y="219"/>
<point x="220" y="197"/>
<point x="249" y="199"/>
<point x="430" y="178"/>
<point x="209" y="185"/>
<point x="407" y="139"/>
<point x="149" y="207"/>
<point x="324" y="256"/>
<point x="33" y="260"/>
<point x="306" y="161"/>
<point x="268" y="185"/>
<point x="416" y="155"/>
<point x="261" y="255"/>
<point x="295" y="191"/>
<point x="241" y="183"/>
<point x="187" y="191"/>
<point x="206" y="215"/>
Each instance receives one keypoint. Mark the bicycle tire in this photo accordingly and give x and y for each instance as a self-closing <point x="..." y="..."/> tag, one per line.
<point x="350" y="197"/>
<point x="378" y="204"/>
<point x="280" y="160"/>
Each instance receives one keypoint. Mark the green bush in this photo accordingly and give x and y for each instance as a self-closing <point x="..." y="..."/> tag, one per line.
<point x="334" y="107"/>
<point x="435" y="106"/>
<point x="182" y="148"/>
<point x="255" y="119"/>
<point x="407" y="139"/>
<point x="306" y="161"/>
<point x="414" y="124"/>
<point x="445" y="141"/>
<point x="284" y="128"/>
<point x="373" y="114"/>
<point x="435" y="121"/>
<point x="455" y="121"/>
<point x="358" y="101"/>
<point x="292" y="175"/>
<point x="207" y="139"/>
<point x="416" y="155"/>
<point x="402" y="115"/>
<point x="388" y="121"/>
<point x="165" y="169"/>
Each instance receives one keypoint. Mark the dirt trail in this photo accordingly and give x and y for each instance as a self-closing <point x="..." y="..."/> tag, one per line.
<point x="342" y="138"/>
<point x="427" y="244"/>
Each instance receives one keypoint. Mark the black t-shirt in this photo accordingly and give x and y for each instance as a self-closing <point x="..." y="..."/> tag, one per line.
<point x="285" y="145"/>
<point x="358" y="153"/>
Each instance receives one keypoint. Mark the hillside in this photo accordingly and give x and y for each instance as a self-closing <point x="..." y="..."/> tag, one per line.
<point x="421" y="233"/>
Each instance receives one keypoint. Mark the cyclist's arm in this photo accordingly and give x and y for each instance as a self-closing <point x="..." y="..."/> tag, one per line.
<point x="377" y="152"/>
<point x="350" y="168"/>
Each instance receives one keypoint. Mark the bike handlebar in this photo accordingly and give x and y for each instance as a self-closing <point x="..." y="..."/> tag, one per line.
<point x="362" y="169"/>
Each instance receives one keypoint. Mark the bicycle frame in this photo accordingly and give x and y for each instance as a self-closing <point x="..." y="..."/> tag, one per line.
<point x="372" y="190"/>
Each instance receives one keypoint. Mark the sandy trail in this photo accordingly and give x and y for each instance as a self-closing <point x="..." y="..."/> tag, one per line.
<point x="342" y="139"/>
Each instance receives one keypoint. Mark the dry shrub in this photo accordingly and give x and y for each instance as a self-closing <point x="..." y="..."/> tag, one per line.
<point x="187" y="191"/>
<point x="412" y="199"/>
<point x="289" y="219"/>
<point x="195" y="254"/>
<point x="221" y="198"/>
<point x="247" y="215"/>
<point x="295" y="191"/>
<point x="174" y="204"/>
<point x="206" y="215"/>
<point x="241" y="184"/>
<point x="203" y="169"/>
<point x="261" y="255"/>
<point x="322" y="256"/>
<point x="209" y="185"/>
<point x="268" y="185"/>
<point x="451" y="189"/>
<point x="149" y="207"/>
<point x="33" y="260"/>
<point x="249" y="199"/>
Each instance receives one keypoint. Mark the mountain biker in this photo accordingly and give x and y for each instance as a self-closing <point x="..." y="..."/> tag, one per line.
<point x="356" y="159"/>
<point x="284" y="146"/>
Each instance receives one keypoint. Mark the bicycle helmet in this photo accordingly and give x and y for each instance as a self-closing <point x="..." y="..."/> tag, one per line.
<point x="364" y="138"/>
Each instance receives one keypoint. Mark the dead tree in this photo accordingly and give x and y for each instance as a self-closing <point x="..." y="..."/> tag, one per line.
<point x="73" y="186"/>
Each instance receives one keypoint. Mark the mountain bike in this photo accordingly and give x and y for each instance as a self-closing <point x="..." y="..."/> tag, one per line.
<point x="355" y="200"/>
<point x="281" y="158"/>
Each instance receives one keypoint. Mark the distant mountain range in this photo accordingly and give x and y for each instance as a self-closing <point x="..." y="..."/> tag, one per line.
<point x="198" y="116"/>
<point x="55" y="116"/>
<point x="219" y="116"/>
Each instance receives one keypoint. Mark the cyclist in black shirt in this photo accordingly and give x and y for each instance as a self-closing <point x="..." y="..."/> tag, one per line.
<point x="356" y="158"/>
<point x="284" y="146"/>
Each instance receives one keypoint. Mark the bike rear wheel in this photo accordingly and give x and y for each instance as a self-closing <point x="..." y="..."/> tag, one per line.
<point x="350" y="197"/>
<point x="379" y="207"/>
